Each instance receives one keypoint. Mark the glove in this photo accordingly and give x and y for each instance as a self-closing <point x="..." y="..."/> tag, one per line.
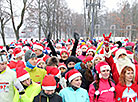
<point x="76" y="36"/>
<point x="49" y="36"/>
<point x="106" y="39"/>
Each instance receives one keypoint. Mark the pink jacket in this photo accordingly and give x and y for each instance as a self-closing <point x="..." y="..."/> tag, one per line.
<point x="105" y="91"/>
<point x="82" y="57"/>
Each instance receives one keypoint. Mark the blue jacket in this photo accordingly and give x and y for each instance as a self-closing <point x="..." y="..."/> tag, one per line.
<point x="69" y="95"/>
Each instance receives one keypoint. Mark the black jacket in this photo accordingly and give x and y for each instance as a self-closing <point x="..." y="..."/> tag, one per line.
<point x="41" y="97"/>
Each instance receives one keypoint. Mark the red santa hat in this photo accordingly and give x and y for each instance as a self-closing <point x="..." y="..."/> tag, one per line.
<point x="53" y="71"/>
<point x="17" y="52"/>
<point x="62" y="65"/>
<point x="84" y="46"/>
<point x="89" y="58"/>
<point x="49" y="83"/>
<point x="91" y="49"/>
<point x="19" y="45"/>
<point x="98" y="55"/>
<point x="72" y="74"/>
<point x="10" y="50"/>
<point x="102" y="66"/>
<point x="1" y="48"/>
<point x="64" y="50"/>
<point x="48" y="50"/>
<point x="119" y="52"/>
<point x="38" y="46"/>
<point x="113" y="48"/>
<point x="58" y="45"/>
<point x="22" y="74"/>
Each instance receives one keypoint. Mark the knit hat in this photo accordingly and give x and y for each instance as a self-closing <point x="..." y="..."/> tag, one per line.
<point x="49" y="83"/>
<point x="71" y="59"/>
<point x="17" y="52"/>
<point x="3" y="58"/>
<point x="62" y="65"/>
<point x="53" y="71"/>
<point x="119" y="52"/>
<point x="72" y="74"/>
<point x="38" y="46"/>
<point x="29" y="54"/>
<point x="102" y="66"/>
<point x="22" y="74"/>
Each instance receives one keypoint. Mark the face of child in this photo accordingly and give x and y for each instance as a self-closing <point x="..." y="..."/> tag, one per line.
<point x="62" y="70"/>
<point x="64" y="56"/>
<point x="41" y="65"/>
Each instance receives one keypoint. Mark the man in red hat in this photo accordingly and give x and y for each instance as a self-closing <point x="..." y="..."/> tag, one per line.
<point x="48" y="91"/>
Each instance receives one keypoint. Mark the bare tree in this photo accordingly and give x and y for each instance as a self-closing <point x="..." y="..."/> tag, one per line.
<point x="4" y="18"/>
<point x="16" y="29"/>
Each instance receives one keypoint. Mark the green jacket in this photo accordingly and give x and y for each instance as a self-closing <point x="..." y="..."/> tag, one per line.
<point x="36" y="74"/>
<point x="30" y="92"/>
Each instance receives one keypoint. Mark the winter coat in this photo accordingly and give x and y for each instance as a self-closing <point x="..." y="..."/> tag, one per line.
<point x="126" y="93"/>
<point x="69" y="95"/>
<point x="85" y="82"/>
<point x="105" y="91"/>
<point x="7" y="80"/>
<point x="41" y="97"/>
<point x="82" y="57"/>
<point x="36" y="74"/>
<point x="30" y="92"/>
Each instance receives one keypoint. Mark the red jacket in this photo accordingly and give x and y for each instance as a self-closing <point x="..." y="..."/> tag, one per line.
<point x="119" y="88"/>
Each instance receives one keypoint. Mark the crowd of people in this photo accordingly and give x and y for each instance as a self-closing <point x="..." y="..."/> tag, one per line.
<point x="75" y="70"/>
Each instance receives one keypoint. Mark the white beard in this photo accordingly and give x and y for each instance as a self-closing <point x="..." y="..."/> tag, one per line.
<point x="121" y="62"/>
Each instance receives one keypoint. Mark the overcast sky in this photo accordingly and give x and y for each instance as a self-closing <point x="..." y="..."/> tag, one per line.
<point x="77" y="5"/>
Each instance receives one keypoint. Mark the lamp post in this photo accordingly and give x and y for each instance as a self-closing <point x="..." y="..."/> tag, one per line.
<point x="93" y="4"/>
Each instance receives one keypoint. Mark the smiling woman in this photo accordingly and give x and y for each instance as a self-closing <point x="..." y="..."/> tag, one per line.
<point x="126" y="89"/>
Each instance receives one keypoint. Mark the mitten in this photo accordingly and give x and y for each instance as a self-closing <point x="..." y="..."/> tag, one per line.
<point x="49" y="36"/>
<point x="76" y="36"/>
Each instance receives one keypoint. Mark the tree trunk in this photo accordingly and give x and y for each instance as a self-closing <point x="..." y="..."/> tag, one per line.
<point x="2" y="33"/>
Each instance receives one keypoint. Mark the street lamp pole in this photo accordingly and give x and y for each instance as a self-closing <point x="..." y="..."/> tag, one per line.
<point x="93" y="5"/>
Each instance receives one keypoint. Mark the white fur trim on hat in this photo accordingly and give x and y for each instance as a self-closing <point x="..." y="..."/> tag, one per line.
<point x="104" y="67"/>
<point x="58" y="45"/>
<point x="62" y="66"/>
<point x="84" y="46"/>
<point x="59" y="73"/>
<point x="48" y="87"/>
<point x="119" y="52"/>
<point x="37" y="47"/>
<point x="24" y="77"/>
<point x="98" y="55"/>
<point x="19" y="54"/>
<point x="91" y="50"/>
<point x="74" y="76"/>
